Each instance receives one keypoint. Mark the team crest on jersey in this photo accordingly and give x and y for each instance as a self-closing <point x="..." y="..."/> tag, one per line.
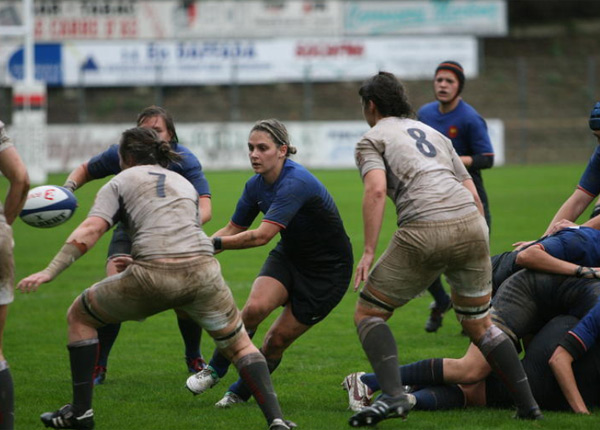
<point x="452" y="131"/>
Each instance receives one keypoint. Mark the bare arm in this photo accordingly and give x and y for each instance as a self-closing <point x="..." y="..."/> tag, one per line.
<point x="570" y="210"/>
<point x="78" y="177"/>
<point x="205" y="205"/>
<point x="561" y="365"/>
<point x="373" y="207"/>
<point x="15" y="171"/>
<point x="249" y="238"/>
<point x="81" y="239"/>
<point x="470" y="185"/>
<point x="535" y="258"/>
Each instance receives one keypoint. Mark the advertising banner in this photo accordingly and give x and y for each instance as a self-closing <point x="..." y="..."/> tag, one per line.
<point x="223" y="146"/>
<point x="63" y="20"/>
<point x="202" y="62"/>
<point x="474" y="17"/>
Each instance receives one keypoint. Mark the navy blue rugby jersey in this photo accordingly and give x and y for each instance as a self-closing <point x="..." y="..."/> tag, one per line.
<point x="312" y="229"/>
<point x="107" y="163"/>
<point x="578" y="245"/>
<point x="590" y="180"/>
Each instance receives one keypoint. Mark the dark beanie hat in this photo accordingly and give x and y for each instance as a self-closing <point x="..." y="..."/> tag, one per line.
<point x="595" y="117"/>
<point x="455" y="68"/>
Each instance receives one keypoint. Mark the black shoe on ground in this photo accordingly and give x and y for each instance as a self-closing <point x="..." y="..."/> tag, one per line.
<point x="383" y="408"/>
<point x="436" y="316"/>
<point x="531" y="414"/>
<point x="65" y="418"/>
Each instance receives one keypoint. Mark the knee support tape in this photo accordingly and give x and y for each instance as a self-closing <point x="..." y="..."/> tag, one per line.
<point x="366" y="325"/>
<point x="230" y="338"/>
<point x="490" y="340"/>
<point x="471" y="312"/>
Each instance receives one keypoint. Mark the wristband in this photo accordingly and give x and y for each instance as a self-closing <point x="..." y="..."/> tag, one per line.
<point x="70" y="185"/>
<point x="585" y="272"/>
<point x="65" y="257"/>
<point x="217" y="243"/>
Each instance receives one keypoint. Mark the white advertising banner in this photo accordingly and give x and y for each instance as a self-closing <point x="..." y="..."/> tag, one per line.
<point x="201" y="62"/>
<point x="252" y="19"/>
<point x="475" y="17"/>
<point x="223" y="146"/>
<point x="62" y="20"/>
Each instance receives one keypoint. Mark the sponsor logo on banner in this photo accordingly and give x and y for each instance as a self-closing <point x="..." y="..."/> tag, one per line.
<point x="480" y="17"/>
<point x="221" y="146"/>
<point x="243" y="61"/>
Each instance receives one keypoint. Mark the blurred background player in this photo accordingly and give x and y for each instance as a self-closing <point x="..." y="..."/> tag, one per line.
<point x="441" y="229"/>
<point x="106" y="164"/>
<point x="462" y="124"/>
<point x="171" y="266"/>
<point x="14" y="171"/>
<point x="309" y="269"/>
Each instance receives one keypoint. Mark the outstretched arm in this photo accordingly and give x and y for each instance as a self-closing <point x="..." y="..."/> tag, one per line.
<point x="570" y="210"/>
<point x="78" y="177"/>
<point x="232" y="237"/>
<point x="83" y="238"/>
<point x="536" y="258"/>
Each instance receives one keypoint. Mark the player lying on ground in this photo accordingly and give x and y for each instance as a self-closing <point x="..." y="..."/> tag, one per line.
<point x="172" y="267"/>
<point x="522" y="306"/>
<point x="432" y="395"/>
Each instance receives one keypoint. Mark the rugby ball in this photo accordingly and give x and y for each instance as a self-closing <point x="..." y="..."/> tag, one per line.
<point x="48" y="206"/>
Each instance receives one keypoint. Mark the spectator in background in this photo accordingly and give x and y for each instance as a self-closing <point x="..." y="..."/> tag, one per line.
<point x="106" y="164"/>
<point x="14" y="170"/>
<point x="462" y="124"/>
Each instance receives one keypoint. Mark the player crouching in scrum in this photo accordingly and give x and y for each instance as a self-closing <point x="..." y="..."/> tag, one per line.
<point x="171" y="266"/>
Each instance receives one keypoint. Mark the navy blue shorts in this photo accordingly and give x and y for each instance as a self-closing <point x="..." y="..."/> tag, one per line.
<point x="313" y="293"/>
<point x="120" y="244"/>
<point x="544" y="387"/>
<point x="527" y="300"/>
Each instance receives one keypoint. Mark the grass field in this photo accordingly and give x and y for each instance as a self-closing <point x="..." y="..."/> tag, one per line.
<point x="145" y="384"/>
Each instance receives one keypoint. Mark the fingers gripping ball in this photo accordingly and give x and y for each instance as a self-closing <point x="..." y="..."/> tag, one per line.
<point x="48" y="206"/>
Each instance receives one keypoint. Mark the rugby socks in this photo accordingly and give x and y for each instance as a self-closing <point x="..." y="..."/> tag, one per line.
<point x="242" y="390"/>
<point x="7" y="399"/>
<point x="107" y="335"/>
<point x="191" y="334"/>
<point x="254" y="371"/>
<point x="439" y="397"/>
<point x="83" y="358"/>
<point x="380" y="346"/>
<point x="502" y="356"/>
<point x="424" y="372"/>
<point x="220" y="363"/>
<point x="442" y="299"/>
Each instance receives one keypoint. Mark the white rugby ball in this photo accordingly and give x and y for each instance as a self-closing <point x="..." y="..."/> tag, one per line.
<point x="48" y="206"/>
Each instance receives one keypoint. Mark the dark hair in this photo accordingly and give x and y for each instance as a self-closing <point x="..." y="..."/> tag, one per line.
<point x="455" y="68"/>
<point x="595" y="117"/>
<point x="388" y="94"/>
<point x="142" y="145"/>
<point x="152" y="111"/>
<point x="277" y="131"/>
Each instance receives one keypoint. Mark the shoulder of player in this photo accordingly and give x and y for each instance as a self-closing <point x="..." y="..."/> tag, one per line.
<point x="296" y="175"/>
